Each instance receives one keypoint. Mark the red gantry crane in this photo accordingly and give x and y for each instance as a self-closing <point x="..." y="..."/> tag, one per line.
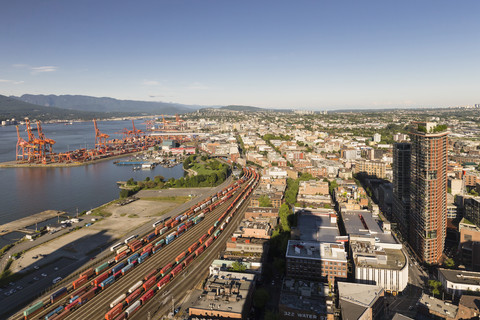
<point x="100" y="139"/>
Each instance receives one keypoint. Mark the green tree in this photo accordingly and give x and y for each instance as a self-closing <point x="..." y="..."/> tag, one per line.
<point x="449" y="263"/>
<point x="124" y="193"/>
<point x="264" y="201"/>
<point x="238" y="266"/>
<point x="260" y="298"/>
<point x="284" y="212"/>
<point x="130" y="182"/>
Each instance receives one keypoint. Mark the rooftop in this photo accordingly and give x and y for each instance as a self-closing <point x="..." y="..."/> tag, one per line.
<point x="459" y="276"/>
<point x="316" y="251"/>
<point x="317" y="225"/>
<point x="370" y="254"/>
<point x="303" y="295"/>
<point x="362" y="222"/>
<point x="355" y="298"/>
<point x="438" y="306"/>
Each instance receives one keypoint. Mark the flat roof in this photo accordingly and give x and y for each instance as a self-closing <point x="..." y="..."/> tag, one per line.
<point x="362" y="222"/>
<point x="459" y="276"/>
<point x="316" y="251"/>
<point x="316" y="227"/>
<point x="360" y="294"/>
<point x="303" y="295"/>
<point x="438" y="306"/>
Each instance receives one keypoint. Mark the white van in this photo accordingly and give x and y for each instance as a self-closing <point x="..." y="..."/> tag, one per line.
<point x="56" y="279"/>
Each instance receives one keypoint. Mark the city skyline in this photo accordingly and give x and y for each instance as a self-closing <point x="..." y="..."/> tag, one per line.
<point x="308" y="55"/>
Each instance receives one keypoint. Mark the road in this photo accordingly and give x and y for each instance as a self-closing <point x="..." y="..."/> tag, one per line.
<point x="33" y="289"/>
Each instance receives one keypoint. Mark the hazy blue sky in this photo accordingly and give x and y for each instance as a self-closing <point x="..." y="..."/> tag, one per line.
<point x="296" y="54"/>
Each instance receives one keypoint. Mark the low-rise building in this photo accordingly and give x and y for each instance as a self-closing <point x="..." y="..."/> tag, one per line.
<point x="313" y="187"/>
<point x="435" y="308"/>
<point x="371" y="167"/>
<point x="315" y="261"/>
<point x="361" y="301"/>
<point x="246" y="248"/>
<point x="457" y="282"/>
<point x="227" y="295"/>
<point x="253" y="213"/>
<point x="254" y="229"/>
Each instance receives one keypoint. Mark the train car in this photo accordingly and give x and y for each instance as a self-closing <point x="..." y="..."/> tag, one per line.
<point x="149" y="283"/>
<point x="122" y="249"/>
<point x="157" y="224"/>
<point x="193" y="247"/>
<point x="160" y="242"/>
<point x="143" y="257"/>
<point x="127" y="268"/>
<point x="105" y="283"/>
<point x="88" y="273"/>
<point x="187" y="260"/>
<point x="118" y="300"/>
<point x="162" y="230"/>
<point x="199" y="251"/>
<point x="222" y="226"/>
<point x="72" y="299"/>
<point x="202" y="239"/>
<point x="33" y="310"/>
<point x="131" y="238"/>
<point x="166" y="269"/>
<point x="196" y="209"/>
<point x="100" y="278"/>
<point x="156" y="248"/>
<point x="135" y="286"/>
<point x="168" y="222"/>
<point x="216" y="222"/>
<point x="174" y="223"/>
<point x="151" y="236"/>
<point x="228" y="219"/>
<point x="70" y="306"/>
<point x="147" y="248"/>
<point x="132" y="258"/>
<point x="113" y="313"/>
<point x="53" y="313"/>
<point x="163" y="281"/>
<point x="118" y="267"/>
<point x="79" y="282"/>
<point x="100" y="268"/>
<point x="179" y="217"/>
<point x="176" y="270"/>
<point x="170" y="238"/>
<point x="208" y="242"/>
<point x="87" y="296"/>
<point x="215" y="235"/>
<point x="58" y="294"/>
<point x="147" y="296"/>
<point x="132" y="309"/>
<point x="117" y="274"/>
<point x="133" y="295"/>
<point x="135" y="245"/>
<point x="188" y="224"/>
<point x="210" y="231"/>
<point x="79" y="292"/>
<point x="120" y="256"/>
<point x="180" y="225"/>
<point x="184" y="217"/>
<point x="181" y="230"/>
<point x="151" y="273"/>
<point x="180" y="257"/>
<point x="116" y="246"/>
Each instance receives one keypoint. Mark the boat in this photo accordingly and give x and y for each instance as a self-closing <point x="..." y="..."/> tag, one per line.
<point x="147" y="166"/>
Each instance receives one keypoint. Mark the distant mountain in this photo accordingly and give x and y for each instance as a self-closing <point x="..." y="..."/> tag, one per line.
<point x="88" y="103"/>
<point x="253" y="109"/>
<point x="13" y="108"/>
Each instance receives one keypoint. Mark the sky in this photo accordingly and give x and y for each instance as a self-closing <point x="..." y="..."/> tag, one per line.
<point x="309" y="55"/>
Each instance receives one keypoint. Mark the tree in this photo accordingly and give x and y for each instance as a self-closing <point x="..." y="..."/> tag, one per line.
<point x="284" y="212"/>
<point x="130" y="182"/>
<point x="264" y="201"/>
<point x="260" y="298"/>
<point x="238" y="266"/>
<point x="124" y="193"/>
<point x="449" y="263"/>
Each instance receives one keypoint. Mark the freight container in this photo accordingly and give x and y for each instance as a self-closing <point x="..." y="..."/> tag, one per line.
<point x="74" y="298"/>
<point x="168" y="222"/>
<point x="202" y="239"/>
<point x="176" y="270"/>
<point x="193" y="247"/>
<point x="112" y="314"/>
<point x="120" y="256"/>
<point x="208" y="242"/>
<point x="188" y="224"/>
<point x="105" y="283"/>
<point x="178" y="218"/>
<point x="174" y="223"/>
<point x="70" y="306"/>
<point x="88" y="273"/>
<point x="156" y="248"/>
<point x="101" y="278"/>
<point x="188" y="260"/>
<point x="122" y="249"/>
<point x="180" y="257"/>
<point x="169" y="238"/>
<point x="137" y="245"/>
<point x="143" y="257"/>
<point x="51" y="314"/>
<point x="147" y="248"/>
<point x="215" y="235"/>
<point x="222" y="226"/>
<point x="151" y="236"/>
<point x="196" y="209"/>
<point x="135" y="286"/>
<point x="34" y="309"/>
<point x="149" y="283"/>
<point x="118" y="300"/>
<point x="180" y="225"/>
<point x="150" y="274"/>
<point x="210" y="231"/>
<point x="163" y="230"/>
<point x="133" y="295"/>
<point x="163" y="281"/>
<point x="101" y="267"/>
<point x="159" y="228"/>
<point x="58" y="294"/>
<point x="127" y="268"/>
<point x="181" y="230"/>
<point x="79" y="282"/>
<point x="132" y="258"/>
<point x="199" y="251"/>
<point x="118" y="267"/>
<point x="131" y="310"/>
<point x="166" y="269"/>
<point x="87" y="296"/>
<point x="183" y="218"/>
<point x="149" y="294"/>
<point x="117" y="274"/>
<point x="79" y="292"/>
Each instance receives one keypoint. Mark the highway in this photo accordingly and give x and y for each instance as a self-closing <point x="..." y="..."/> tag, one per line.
<point x="99" y="305"/>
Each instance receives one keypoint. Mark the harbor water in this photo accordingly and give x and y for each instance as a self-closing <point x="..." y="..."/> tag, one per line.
<point x="26" y="191"/>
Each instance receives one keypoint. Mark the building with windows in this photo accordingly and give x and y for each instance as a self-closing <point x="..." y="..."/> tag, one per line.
<point x="371" y="167"/>
<point x="428" y="193"/>
<point x="401" y="186"/>
<point x="361" y="301"/>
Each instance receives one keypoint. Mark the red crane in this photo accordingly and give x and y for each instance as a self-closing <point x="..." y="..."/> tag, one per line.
<point x="100" y="138"/>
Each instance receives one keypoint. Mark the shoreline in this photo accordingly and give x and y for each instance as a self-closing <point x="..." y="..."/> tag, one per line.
<point x="22" y="223"/>
<point x="14" y="164"/>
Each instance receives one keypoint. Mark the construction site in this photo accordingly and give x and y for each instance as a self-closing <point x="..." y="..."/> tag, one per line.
<point x="38" y="150"/>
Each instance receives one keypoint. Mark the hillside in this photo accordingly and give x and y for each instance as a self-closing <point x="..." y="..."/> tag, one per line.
<point x="13" y="108"/>
<point x="88" y="103"/>
<point x="253" y="109"/>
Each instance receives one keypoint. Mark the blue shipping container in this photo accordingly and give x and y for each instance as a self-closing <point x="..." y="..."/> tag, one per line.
<point x="151" y="236"/>
<point x="170" y="238"/>
<point x="118" y="268"/>
<point x="107" y="281"/>
<point x="73" y="299"/>
<point x="54" y="312"/>
<point x="180" y="225"/>
<point x="58" y="293"/>
<point x="143" y="257"/>
<point x="128" y="267"/>
<point x="132" y="258"/>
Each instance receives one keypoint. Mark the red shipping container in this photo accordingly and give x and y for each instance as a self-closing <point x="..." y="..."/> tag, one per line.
<point x="202" y="239"/>
<point x="147" y="248"/>
<point x="210" y="231"/>
<point x="193" y="247"/>
<point x="158" y="228"/>
<point x="147" y="296"/>
<point x="152" y="273"/>
<point x="176" y="270"/>
<point x="180" y="257"/>
<point x="166" y="268"/>
<point x="168" y="222"/>
<point x="174" y="223"/>
<point x="149" y="283"/>
<point x="114" y="312"/>
<point x="88" y="272"/>
<point x="134" y="247"/>
<point x="208" y="242"/>
<point x="120" y="256"/>
<point x="100" y="278"/>
<point x="87" y="296"/>
<point x="188" y="260"/>
<point x="133" y="295"/>
<point x="79" y="282"/>
<point x="164" y="281"/>
<point x="199" y="251"/>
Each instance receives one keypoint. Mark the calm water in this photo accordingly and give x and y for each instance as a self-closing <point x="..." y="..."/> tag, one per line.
<point x="26" y="191"/>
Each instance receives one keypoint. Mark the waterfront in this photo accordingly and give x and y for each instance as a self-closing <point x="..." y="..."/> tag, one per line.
<point x="27" y="191"/>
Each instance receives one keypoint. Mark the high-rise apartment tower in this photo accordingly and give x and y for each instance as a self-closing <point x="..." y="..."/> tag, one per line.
<point x="402" y="154"/>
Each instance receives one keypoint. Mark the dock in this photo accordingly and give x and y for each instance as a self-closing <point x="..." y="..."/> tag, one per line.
<point x="22" y="224"/>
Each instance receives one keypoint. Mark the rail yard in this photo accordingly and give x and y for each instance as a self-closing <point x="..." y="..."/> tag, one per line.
<point x="134" y="280"/>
